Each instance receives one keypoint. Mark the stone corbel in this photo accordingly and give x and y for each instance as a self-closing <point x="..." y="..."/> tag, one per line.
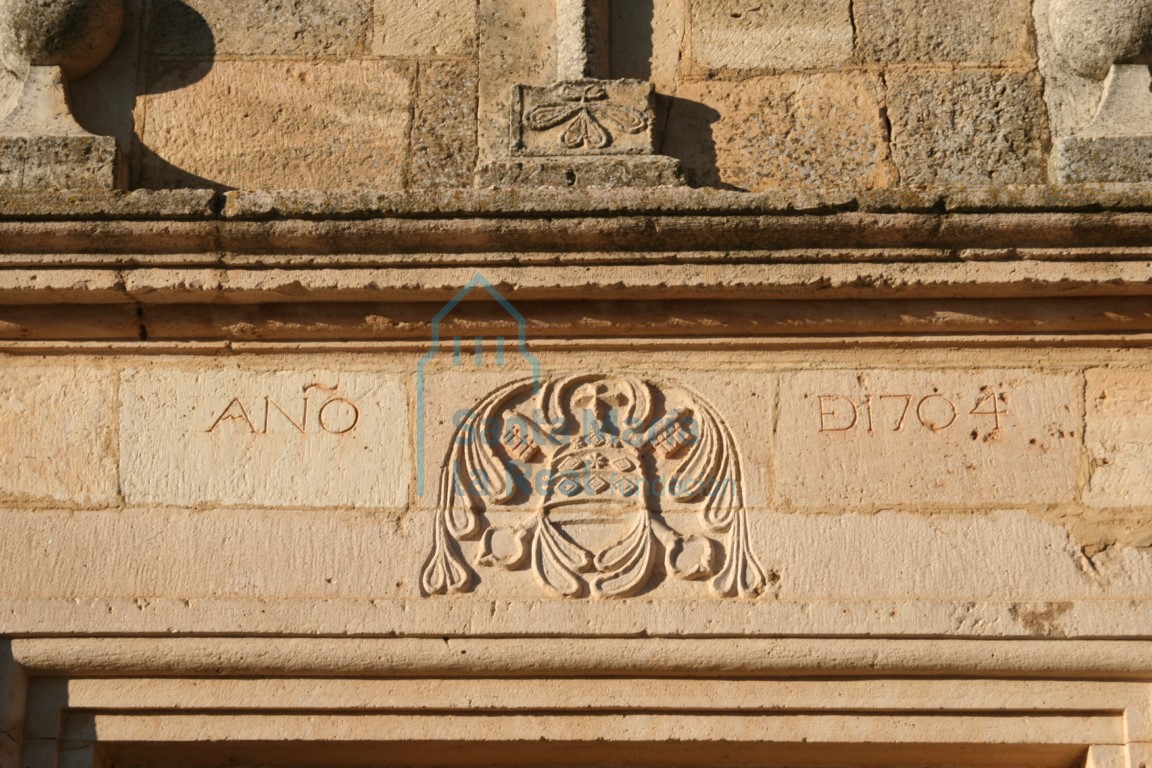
<point x="53" y="42"/>
<point x="1108" y="42"/>
<point x="583" y="130"/>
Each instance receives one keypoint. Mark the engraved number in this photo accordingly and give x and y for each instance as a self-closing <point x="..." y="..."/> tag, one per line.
<point x="891" y="413"/>
<point x="990" y="403"/>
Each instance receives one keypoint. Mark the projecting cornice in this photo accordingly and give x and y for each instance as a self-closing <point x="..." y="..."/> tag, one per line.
<point x="646" y="260"/>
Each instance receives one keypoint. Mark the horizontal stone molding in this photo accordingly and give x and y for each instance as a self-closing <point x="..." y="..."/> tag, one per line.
<point x="421" y="657"/>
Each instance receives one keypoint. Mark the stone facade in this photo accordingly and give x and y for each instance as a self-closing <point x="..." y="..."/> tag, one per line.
<point x="443" y="382"/>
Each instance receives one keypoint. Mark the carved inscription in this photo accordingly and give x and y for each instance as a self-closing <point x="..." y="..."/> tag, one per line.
<point x="264" y="438"/>
<point x="321" y="409"/>
<point x="935" y="412"/>
<point x="945" y="439"/>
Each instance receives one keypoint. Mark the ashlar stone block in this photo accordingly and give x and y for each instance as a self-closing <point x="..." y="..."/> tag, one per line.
<point x="424" y="28"/>
<point x="59" y="424"/>
<point x="917" y="438"/>
<point x="982" y="127"/>
<point x="1119" y="438"/>
<point x="362" y="107"/>
<point x="969" y="31"/>
<point x="199" y="28"/>
<point x="809" y="131"/>
<point x="774" y="35"/>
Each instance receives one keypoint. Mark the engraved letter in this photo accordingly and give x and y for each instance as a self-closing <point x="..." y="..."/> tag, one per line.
<point x="300" y="426"/>
<point x="241" y="414"/>
<point x="825" y="414"/>
<point x="352" y="416"/>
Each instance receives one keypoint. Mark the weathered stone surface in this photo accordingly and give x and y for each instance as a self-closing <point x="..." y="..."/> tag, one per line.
<point x="1117" y="145"/>
<point x="808" y="131"/>
<point x="75" y="35"/>
<point x="60" y="423"/>
<point x="1079" y="159"/>
<point x="582" y="172"/>
<point x="1119" y="438"/>
<point x="195" y="136"/>
<point x="971" y="31"/>
<point x="919" y="439"/>
<point x="517" y="42"/>
<point x="774" y="35"/>
<point x="1091" y="35"/>
<point x="967" y="127"/>
<point x="443" y="150"/>
<point x="206" y="28"/>
<point x="59" y="162"/>
<point x="423" y="28"/>
<point x="237" y="438"/>
<point x="583" y="117"/>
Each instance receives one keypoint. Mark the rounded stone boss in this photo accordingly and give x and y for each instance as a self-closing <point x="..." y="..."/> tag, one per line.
<point x="1093" y="35"/>
<point x="74" y="35"/>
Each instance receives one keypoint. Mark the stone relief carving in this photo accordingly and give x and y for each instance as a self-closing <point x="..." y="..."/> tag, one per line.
<point x="1106" y="44"/>
<point x="586" y="116"/>
<point x="585" y="128"/>
<point x="50" y="44"/>
<point x="587" y="466"/>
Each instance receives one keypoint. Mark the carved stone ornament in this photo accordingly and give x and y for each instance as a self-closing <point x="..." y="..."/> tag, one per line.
<point x="52" y="42"/>
<point x="574" y="479"/>
<point x="586" y="129"/>
<point x="584" y="117"/>
<point x="1109" y="41"/>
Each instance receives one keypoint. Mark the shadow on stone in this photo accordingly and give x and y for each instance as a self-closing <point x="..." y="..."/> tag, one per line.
<point x="146" y="63"/>
<point x="688" y="137"/>
<point x="631" y="39"/>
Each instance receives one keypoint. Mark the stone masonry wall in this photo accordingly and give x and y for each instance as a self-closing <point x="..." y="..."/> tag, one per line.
<point x="861" y="94"/>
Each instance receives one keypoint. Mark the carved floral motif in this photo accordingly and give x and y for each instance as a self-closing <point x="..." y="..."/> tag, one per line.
<point x="613" y="454"/>
<point x="586" y="111"/>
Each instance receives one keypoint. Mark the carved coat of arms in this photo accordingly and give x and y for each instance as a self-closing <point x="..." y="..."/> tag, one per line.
<point x="590" y="467"/>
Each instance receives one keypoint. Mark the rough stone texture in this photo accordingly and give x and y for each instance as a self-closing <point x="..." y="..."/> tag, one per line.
<point x="1079" y="159"/>
<point x="1119" y="438"/>
<point x="75" y="35"/>
<point x="1092" y="35"/>
<point x="582" y="172"/>
<point x="1117" y="145"/>
<point x="877" y="438"/>
<point x="517" y="41"/>
<point x="61" y="423"/>
<point x="249" y="438"/>
<point x="808" y="131"/>
<point x="298" y="28"/>
<point x="967" y="127"/>
<point x="195" y="137"/>
<point x="970" y="31"/>
<point x="425" y="28"/>
<point x="1072" y="99"/>
<point x="774" y="35"/>
<point x="59" y="162"/>
<point x="444" y="127"/>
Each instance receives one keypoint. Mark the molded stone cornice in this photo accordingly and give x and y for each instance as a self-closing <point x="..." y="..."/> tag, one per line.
<point x="197" y="247"/>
